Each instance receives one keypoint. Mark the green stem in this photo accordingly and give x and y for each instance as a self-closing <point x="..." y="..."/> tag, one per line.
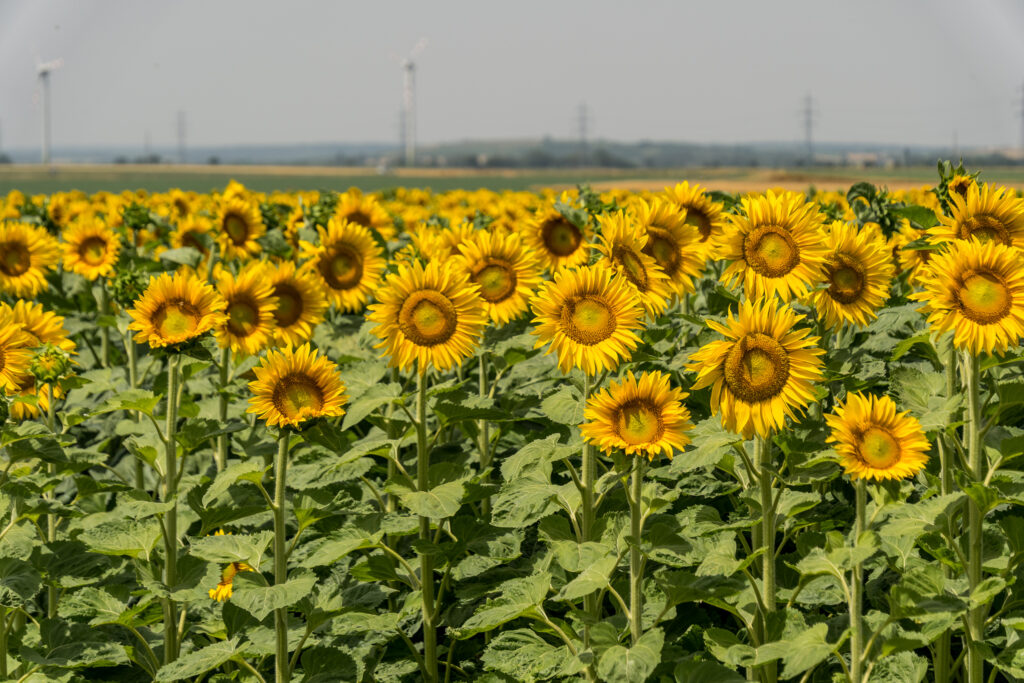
<point x="764" y="461"/>
<point x="426" y="559"/>
<point x="635" y="558"/>
<point x="169" y="490"/>
<point x="857" y="654"/>
<point x="221" y="457"/>
<point x="104" y="309"/>
<point x="943" y="663"/>
<point x="133" y="382"/>
<point x="484" y="430"/>
<point x="588" y="473"/>
<point x="975" y="461"/>
<point x="51" y="518"/>
<point x="3" y="643"/>
<point x="281" y="667"/>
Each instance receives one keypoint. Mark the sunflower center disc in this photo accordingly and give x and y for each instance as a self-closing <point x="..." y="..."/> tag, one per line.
<point x="771" y="251"/>
<point x="846" y="279"/>
<point x="359" y="218"/>
<point x="756" y="368"/>
<point x="289" y="305"/>
<point x="428" y="318"/>
<point x="16" y="260"/>
<point x="985" y="228"/>
<point x="297" y="395"/>
<point x="639" y="422"/>
<point x="497" y="280"/>
<point x="662" y="248"/>
<point x="237" y="228"/>
<point x="878" y="448"/>
<point x="176" y="319"/>
<point x="561" y="237"/>
<point x="93" y="250"/>
<point x="632" y="266"/>
<point x="243" y="317"/>
<point x="588" y="320"/>
<point x="699" y="218"/>
<point x="342" y="267"/>
<point x="984" y="297"/>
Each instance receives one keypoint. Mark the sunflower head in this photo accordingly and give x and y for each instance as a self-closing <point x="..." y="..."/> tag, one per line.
<point x="623" y="247"/>
<point x="91" y="249"/>
<point x="40" y="329"/>
<point x="359" y="209"/>
<point x="175" y="309"/>
<point x="50" y="363"/>
<point x="672" y="242"/>
<point x="876" y="442"/>
<point x="982" y="212"/>
<point x="295" y="385"/>
<point x="27" y="252"/>
<point x="505" y="271"/>
<point x="249" y="309"/>
<point x="240" y="225"/>
<point x="558" y="241"/>
<point x="300" y="303"/>
<point x="700" y="211"/>
<point x="15" y="350"/>
<point x="349" y="262"/>
<point x="223" y="590"/>
<point x="858" y="270"/>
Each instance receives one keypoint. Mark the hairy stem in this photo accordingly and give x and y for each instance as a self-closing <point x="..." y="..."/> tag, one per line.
<point x="281" y="667"/>
<point x="857" y="654"/>
<point x="635" y="558"/>
<point x="169" y="491"/>
<point x="221" y="456"/>
<point x="426" y="559"/>
<point x="484" y="431"/>
<point x="764" y="461"/>
<point x="975" y="461"/>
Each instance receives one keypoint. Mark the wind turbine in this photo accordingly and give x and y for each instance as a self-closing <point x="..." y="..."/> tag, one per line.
<point x="43" y="70"/>
<point x="409" y="102"/>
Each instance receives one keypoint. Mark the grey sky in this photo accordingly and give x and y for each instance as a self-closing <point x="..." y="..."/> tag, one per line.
<point x="255" y="71"/>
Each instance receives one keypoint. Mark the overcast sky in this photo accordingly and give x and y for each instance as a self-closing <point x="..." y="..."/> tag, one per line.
<point x="255" y="71"/>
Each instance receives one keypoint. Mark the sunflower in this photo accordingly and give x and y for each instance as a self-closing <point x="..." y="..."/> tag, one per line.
<point x="505" y="271"/>
<point x="977" y="290"/>
<point x="295" y="385"/>
<point x="432" y="314"/>
<point x="240" y="226"/>
<point x="249" y="327"/>
<point x="858" y="271"/>
<point x="176" y="308"/>
<point x="15" y="351"/>
<point x="355" y="207"/>
<point x="348" y="261"/>
<point x="192" y="231"/>
<point x="622" y="244"/>
<point x="91" y="249"/>
<point x="959" y="184"/>
<point x="39" y="327"/>
<point x="764" y="370"/>
<point x="26" y="253"/>
<point x="701" y="212"/>
<point x="557" y="241"/>
<point x="876" y="442"/>
<point x="984" y="212"/>
<point x="300" y="303"/>
<point x="641" y="417"/>
<point x="589" y="317"/>
<point x="672" y="242"/>
<point x="223" y="590"/>
<point x="913" y="260"/>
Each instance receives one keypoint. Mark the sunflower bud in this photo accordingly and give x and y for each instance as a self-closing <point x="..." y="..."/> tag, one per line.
<point x="5" y="410"/>
<point x="49" y="364"/>
<point x="128" y="285"/>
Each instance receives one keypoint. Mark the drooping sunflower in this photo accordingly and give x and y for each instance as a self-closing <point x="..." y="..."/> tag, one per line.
<point x="702" y="212"/>
<point x="240" y="225"/>
<point x="223" y="591"/>
<point x="763" y="371"/>
<point x="15" y="352"/>
<point x="984" y="212"/>
<point x="91" y="249"/>
<point x="26" y="253"/>
<point x="250" y="300"/>
<point x="876" y="442"/>
<point x="622" y="245"/>
<point x="295" y="385"/>
<point x="977" y="290"/>
<point x="431" y="314"/>
<point x="641" y="417"/>
<point x="40" y="327"/>
<point x="176" y="308"/>
<point x="505" y="271"/>
<point x="348" y="261"/>
<point x="859" y="271"/>
<point x="589" y="317"/>
<point x="557" y="241"/>
<point x="300" y="303"/>
<point x="355" y="207"/>
<point x="776" y="246"/>
<point x="672" y="242"/>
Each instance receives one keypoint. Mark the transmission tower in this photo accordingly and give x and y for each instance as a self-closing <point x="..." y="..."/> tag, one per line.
<point x="808" y="116"/>
<point x="181" y="137"/>
<point x="582" y="120"/>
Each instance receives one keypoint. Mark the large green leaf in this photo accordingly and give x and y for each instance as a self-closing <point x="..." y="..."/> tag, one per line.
<point x="252" y="594"/>
<point x="525" y="656"/>
<point x="199" y="662"/>
<point x="516" y="598"/>
<point x="635" y="664"/>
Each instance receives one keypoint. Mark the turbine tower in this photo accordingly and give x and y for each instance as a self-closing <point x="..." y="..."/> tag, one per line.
<point x="43" y="69"/>
<point x="409" y="103"/>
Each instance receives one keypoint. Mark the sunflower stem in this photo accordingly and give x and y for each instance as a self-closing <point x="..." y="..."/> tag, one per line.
<point x="975" y="616"/>
<point x="221" y="456"/>
<point x="484" y="431"/>
<point x="51" y="518"/>
<point x="588" y="468"/>
<point x="281" y="668"/>
<point x="426" y="560"/>
<point x="857" y="654"/>
<point x="103" y="303"/>
<point x="764" y="461"/>
<point x="942" y="665"/>
<point x="635" y="559"/>
<point x="169" y="490"/>
<point x="133" y="382"/>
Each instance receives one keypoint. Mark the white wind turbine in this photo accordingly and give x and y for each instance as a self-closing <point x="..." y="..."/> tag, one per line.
<point x="43" y="70"/>
<point x="409" y="102"/>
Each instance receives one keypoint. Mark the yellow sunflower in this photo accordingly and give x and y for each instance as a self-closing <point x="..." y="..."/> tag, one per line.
<point x="240" y="225"/>
<point x="960" y="183"/>
<point x="431" y="314"/>
<point x="505" y="271"/>
<point x="589" y="317"/>
<point x="702" y="212"/>
<point x="763" y="371"/>
<point x="557" y="241"/>
<point x="176" y="308"/>
<point x="91" y="249"/>
<point x="984" y="212"/>
<point x="858" y="271"/>
<point x="191" y="232"/>
<point x="776" y="246"/>
<point x="223" y="590"/>
<point x="642" y="417"/>
<point x="876" y="442"/>
<point x="915" y="260"/>
<point x="349" y="263"/>
<point x="672" y="242"/>
<point x="15" y="351"/>
<point x="977" y="290"/>
<point x="623" y="243"/>
<point x="300" y="303"/>
<point x="355" y="207"/>
<point x="26" y="253"/>
<point x="40" y="327"/>
<point x="295" y="385"/>
<point x="249" y="326"/>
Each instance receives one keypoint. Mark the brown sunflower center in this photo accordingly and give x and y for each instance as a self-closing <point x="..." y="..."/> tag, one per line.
<point x="560" y="236"/>
<point x="588" y="320"/>
<point x="289" y="304"/>
<point x="237" y="227"/>
<point x="985" y="228"/>
<point x="243" y="316"/>
<point x="428" y="318"/>
<point x="846" y="278"/>
<point x="639" y="422"/>
<point x="360" y="218"/>
<point x="296" y="395"/>
<point x="93" y="250"/>
<point x="984" y="297"/>
<point x="191" y="239"/>
<point x="632" y="267"/>
<point x="497" y="280"/>
<point x="756" y="368"/>
<point x="771" y="251"/>
<point x="15" y="258"/>
<point x="341" y="266"/>
<point x="176" y="319"/>
<point x="700" y="219"/>
<point x="878" y="448"/>
<point x="663" y="249"/>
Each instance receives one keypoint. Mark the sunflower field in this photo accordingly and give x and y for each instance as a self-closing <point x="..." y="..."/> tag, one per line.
<point x="681" y="436"/>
